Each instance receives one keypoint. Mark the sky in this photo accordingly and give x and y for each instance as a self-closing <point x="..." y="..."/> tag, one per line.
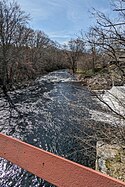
<point x="62" y="20"/>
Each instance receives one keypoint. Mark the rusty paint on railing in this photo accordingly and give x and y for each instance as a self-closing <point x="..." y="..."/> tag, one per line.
<point x="52" y="168"/>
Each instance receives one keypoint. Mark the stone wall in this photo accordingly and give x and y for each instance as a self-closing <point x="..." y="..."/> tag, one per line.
<point x="110" y="159"/>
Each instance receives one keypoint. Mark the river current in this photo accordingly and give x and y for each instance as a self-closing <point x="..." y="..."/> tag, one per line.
<point x="55" y="113"/>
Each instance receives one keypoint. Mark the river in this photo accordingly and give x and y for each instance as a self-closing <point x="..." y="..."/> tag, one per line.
<point x="55" y="117"/>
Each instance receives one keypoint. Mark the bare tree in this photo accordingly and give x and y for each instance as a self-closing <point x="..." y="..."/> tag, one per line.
<point x="93" y="47"/>
<point x="108" y="36"/>
<point x="73" y="51"/>
<point x="12" y="22"/>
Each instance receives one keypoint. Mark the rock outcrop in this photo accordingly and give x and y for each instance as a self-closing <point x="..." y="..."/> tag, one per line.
<point x="111" y="160"/>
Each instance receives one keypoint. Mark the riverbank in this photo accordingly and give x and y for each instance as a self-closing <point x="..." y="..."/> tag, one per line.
<point x="102" y="78"/>
<point x="96" y="81"/>
<point x="110" y="157"/>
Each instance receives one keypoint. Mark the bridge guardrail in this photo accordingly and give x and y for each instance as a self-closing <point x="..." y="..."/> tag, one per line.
<point x="52" y="168"/>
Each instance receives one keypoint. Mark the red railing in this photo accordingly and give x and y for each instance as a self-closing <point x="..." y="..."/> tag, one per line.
<point x="52" y="168"/>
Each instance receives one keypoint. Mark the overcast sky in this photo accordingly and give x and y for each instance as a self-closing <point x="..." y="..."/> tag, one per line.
<point x="62" y="19"/>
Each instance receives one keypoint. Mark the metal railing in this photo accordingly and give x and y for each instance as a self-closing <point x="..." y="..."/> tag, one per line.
<point x="54" y="169"/>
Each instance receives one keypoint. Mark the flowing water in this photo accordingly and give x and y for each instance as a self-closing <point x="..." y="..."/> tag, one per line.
<point x="55" y="113"/>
